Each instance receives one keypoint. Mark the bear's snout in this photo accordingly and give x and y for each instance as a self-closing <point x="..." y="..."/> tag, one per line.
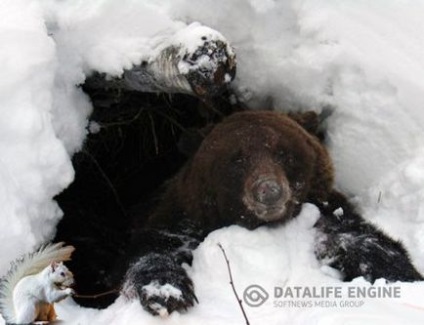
<point x="267" y="197"/>
<point x="267" y="191"/>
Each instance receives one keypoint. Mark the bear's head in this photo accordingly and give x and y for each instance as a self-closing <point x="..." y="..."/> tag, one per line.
<point x="254" y="168"/>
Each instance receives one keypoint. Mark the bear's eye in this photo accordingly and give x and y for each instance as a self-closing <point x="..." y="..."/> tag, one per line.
<point x="280" y="154"/>
<point x="286" y="158"/>
<point x="62" y="274"/>
<point x="238" y="159"/>
<point x="290" y="160"/>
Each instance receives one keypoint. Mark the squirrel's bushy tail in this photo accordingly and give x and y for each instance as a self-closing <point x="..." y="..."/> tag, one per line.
<point x="29" y="264"/>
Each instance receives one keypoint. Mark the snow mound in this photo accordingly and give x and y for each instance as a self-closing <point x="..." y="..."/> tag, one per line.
<point x="281" y="257"/>
<point x="34" y="165"/>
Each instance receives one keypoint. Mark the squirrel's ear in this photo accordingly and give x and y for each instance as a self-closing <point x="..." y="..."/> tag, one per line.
<point x="53" y="266"/>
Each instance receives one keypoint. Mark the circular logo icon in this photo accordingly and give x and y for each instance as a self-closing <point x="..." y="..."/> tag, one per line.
<point x="254" y="295"/>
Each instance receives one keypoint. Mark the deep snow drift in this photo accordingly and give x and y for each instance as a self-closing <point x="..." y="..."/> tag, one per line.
<point x="359" y="60"/>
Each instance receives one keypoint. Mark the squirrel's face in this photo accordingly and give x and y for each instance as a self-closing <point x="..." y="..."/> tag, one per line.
<point x="60" y="275"/>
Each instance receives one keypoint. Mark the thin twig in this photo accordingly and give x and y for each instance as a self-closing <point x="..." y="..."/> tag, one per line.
<point x="97" y="295"/>
<point x="155" y="138"/>
<point x="107" y="180"/>
<point x="240" y="302"/>
<point x="210" y="105"/>
<point x="126" y="122"/>
<point x="379" y="197"/>
<point x="172" y="120"/>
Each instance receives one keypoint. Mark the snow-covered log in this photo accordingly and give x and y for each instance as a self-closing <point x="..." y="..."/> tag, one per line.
<point x="196" y="60"/>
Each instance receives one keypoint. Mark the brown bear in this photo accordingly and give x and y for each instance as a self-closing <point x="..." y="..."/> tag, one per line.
<point x="254" y="168"/>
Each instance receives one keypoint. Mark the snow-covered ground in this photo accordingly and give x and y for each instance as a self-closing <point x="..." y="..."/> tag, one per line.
<point x="360" y="59"/>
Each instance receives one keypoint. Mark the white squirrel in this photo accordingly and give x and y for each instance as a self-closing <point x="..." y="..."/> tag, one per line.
<point x="34" y="283"/>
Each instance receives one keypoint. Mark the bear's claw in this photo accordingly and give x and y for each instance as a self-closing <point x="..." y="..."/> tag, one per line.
<point x="163" y="303"/>
<point x="161" y="284"/>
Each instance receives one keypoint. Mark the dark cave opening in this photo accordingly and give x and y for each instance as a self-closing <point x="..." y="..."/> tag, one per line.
<point x="118" y="175"/>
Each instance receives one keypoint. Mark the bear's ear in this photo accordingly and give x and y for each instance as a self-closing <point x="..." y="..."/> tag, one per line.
<point x="191" y="140"/>
<point x="310" y="121"/>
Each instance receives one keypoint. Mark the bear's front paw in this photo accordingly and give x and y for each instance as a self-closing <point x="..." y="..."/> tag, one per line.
<point x="161" y="284"/>
<point x="163" y="299"/>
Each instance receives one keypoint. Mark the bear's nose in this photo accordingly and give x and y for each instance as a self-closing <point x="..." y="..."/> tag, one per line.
<point x="267" y="192"/>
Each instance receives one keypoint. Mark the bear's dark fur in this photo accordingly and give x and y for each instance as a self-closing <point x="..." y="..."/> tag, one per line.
<point x="230" y="177"/>
<point x="357" y="248"/>
<point x="255" y="168"/>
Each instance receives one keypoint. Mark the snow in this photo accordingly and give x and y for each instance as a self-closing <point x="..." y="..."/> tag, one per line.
<point x="166" y="291"/>
<point x="338" y="212"/>
<point x="191" y="38"/>
<point x="34" y="163"/>
<point x="286" y="260"/>
<point x="361" y="61"/>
